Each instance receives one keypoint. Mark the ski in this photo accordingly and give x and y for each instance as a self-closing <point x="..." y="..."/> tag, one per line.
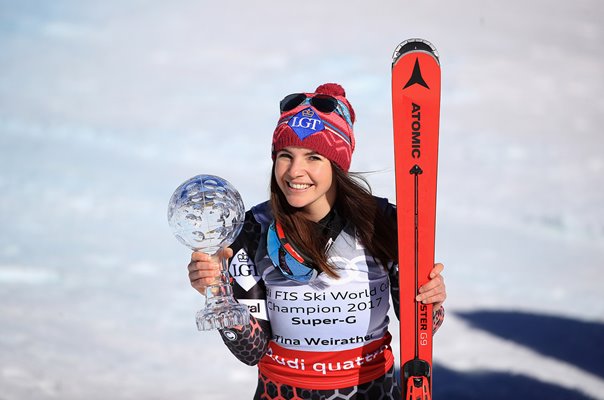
<point x="415" y="111"/>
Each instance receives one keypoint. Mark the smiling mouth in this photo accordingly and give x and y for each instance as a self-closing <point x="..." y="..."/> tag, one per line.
<point x="298" y="186"/>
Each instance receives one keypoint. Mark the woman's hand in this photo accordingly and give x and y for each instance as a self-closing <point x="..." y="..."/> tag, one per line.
<point x="434" y="292"/>
<point x="204" y="270"/>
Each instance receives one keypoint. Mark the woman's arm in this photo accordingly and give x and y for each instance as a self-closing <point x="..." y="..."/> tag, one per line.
<point x="248" y="343"/>
<point x="433" y="292"/>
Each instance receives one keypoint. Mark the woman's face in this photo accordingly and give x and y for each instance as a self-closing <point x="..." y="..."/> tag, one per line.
<point x="306" y="180"/>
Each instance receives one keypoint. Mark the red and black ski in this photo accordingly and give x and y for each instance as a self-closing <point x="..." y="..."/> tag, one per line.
<point x="415" y="109"/>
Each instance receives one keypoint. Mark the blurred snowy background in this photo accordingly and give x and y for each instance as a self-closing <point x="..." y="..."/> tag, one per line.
<point x="106" y="107"/>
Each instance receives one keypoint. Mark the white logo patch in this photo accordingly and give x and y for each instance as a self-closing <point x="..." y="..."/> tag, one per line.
<point x="243" y="270"/>
<point x="229" y="334"/>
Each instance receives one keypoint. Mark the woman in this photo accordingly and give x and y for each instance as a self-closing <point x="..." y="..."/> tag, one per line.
<point x="316" y="265"/>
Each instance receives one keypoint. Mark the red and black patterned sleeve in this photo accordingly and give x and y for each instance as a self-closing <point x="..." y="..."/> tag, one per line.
<point x="248" y="343"/>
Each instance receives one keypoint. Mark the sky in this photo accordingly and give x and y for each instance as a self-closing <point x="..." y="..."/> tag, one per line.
<point x="106" y="107"/>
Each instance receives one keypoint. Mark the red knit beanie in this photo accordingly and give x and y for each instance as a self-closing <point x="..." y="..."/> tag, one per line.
<point x="328" y="133"/>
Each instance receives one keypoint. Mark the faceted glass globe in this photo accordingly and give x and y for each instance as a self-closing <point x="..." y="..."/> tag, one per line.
<point x="206" y="213"/>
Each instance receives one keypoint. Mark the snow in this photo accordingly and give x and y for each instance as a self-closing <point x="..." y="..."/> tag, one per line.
<point x="106" y="107"/>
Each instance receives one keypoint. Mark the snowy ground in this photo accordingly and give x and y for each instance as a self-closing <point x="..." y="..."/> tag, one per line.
<point x="105" y="107"/>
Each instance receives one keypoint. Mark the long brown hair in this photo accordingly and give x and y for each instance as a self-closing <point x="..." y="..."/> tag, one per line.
<point x="356" y="204"/>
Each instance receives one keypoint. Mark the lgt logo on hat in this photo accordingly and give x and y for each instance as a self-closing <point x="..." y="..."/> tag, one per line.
<point x="328" y="133"/>
<point x="305" y="123"/>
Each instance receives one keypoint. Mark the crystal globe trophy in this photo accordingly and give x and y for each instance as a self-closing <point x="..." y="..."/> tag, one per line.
<point x="206" y="214"/>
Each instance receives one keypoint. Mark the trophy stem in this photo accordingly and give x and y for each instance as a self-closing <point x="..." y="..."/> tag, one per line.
<point x="222" y="310"/>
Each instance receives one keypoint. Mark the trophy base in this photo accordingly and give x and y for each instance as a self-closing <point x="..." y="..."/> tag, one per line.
<point x="222" y="313"/>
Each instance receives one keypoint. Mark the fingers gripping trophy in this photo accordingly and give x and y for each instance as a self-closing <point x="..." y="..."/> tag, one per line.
<point x="206" y="213"/>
